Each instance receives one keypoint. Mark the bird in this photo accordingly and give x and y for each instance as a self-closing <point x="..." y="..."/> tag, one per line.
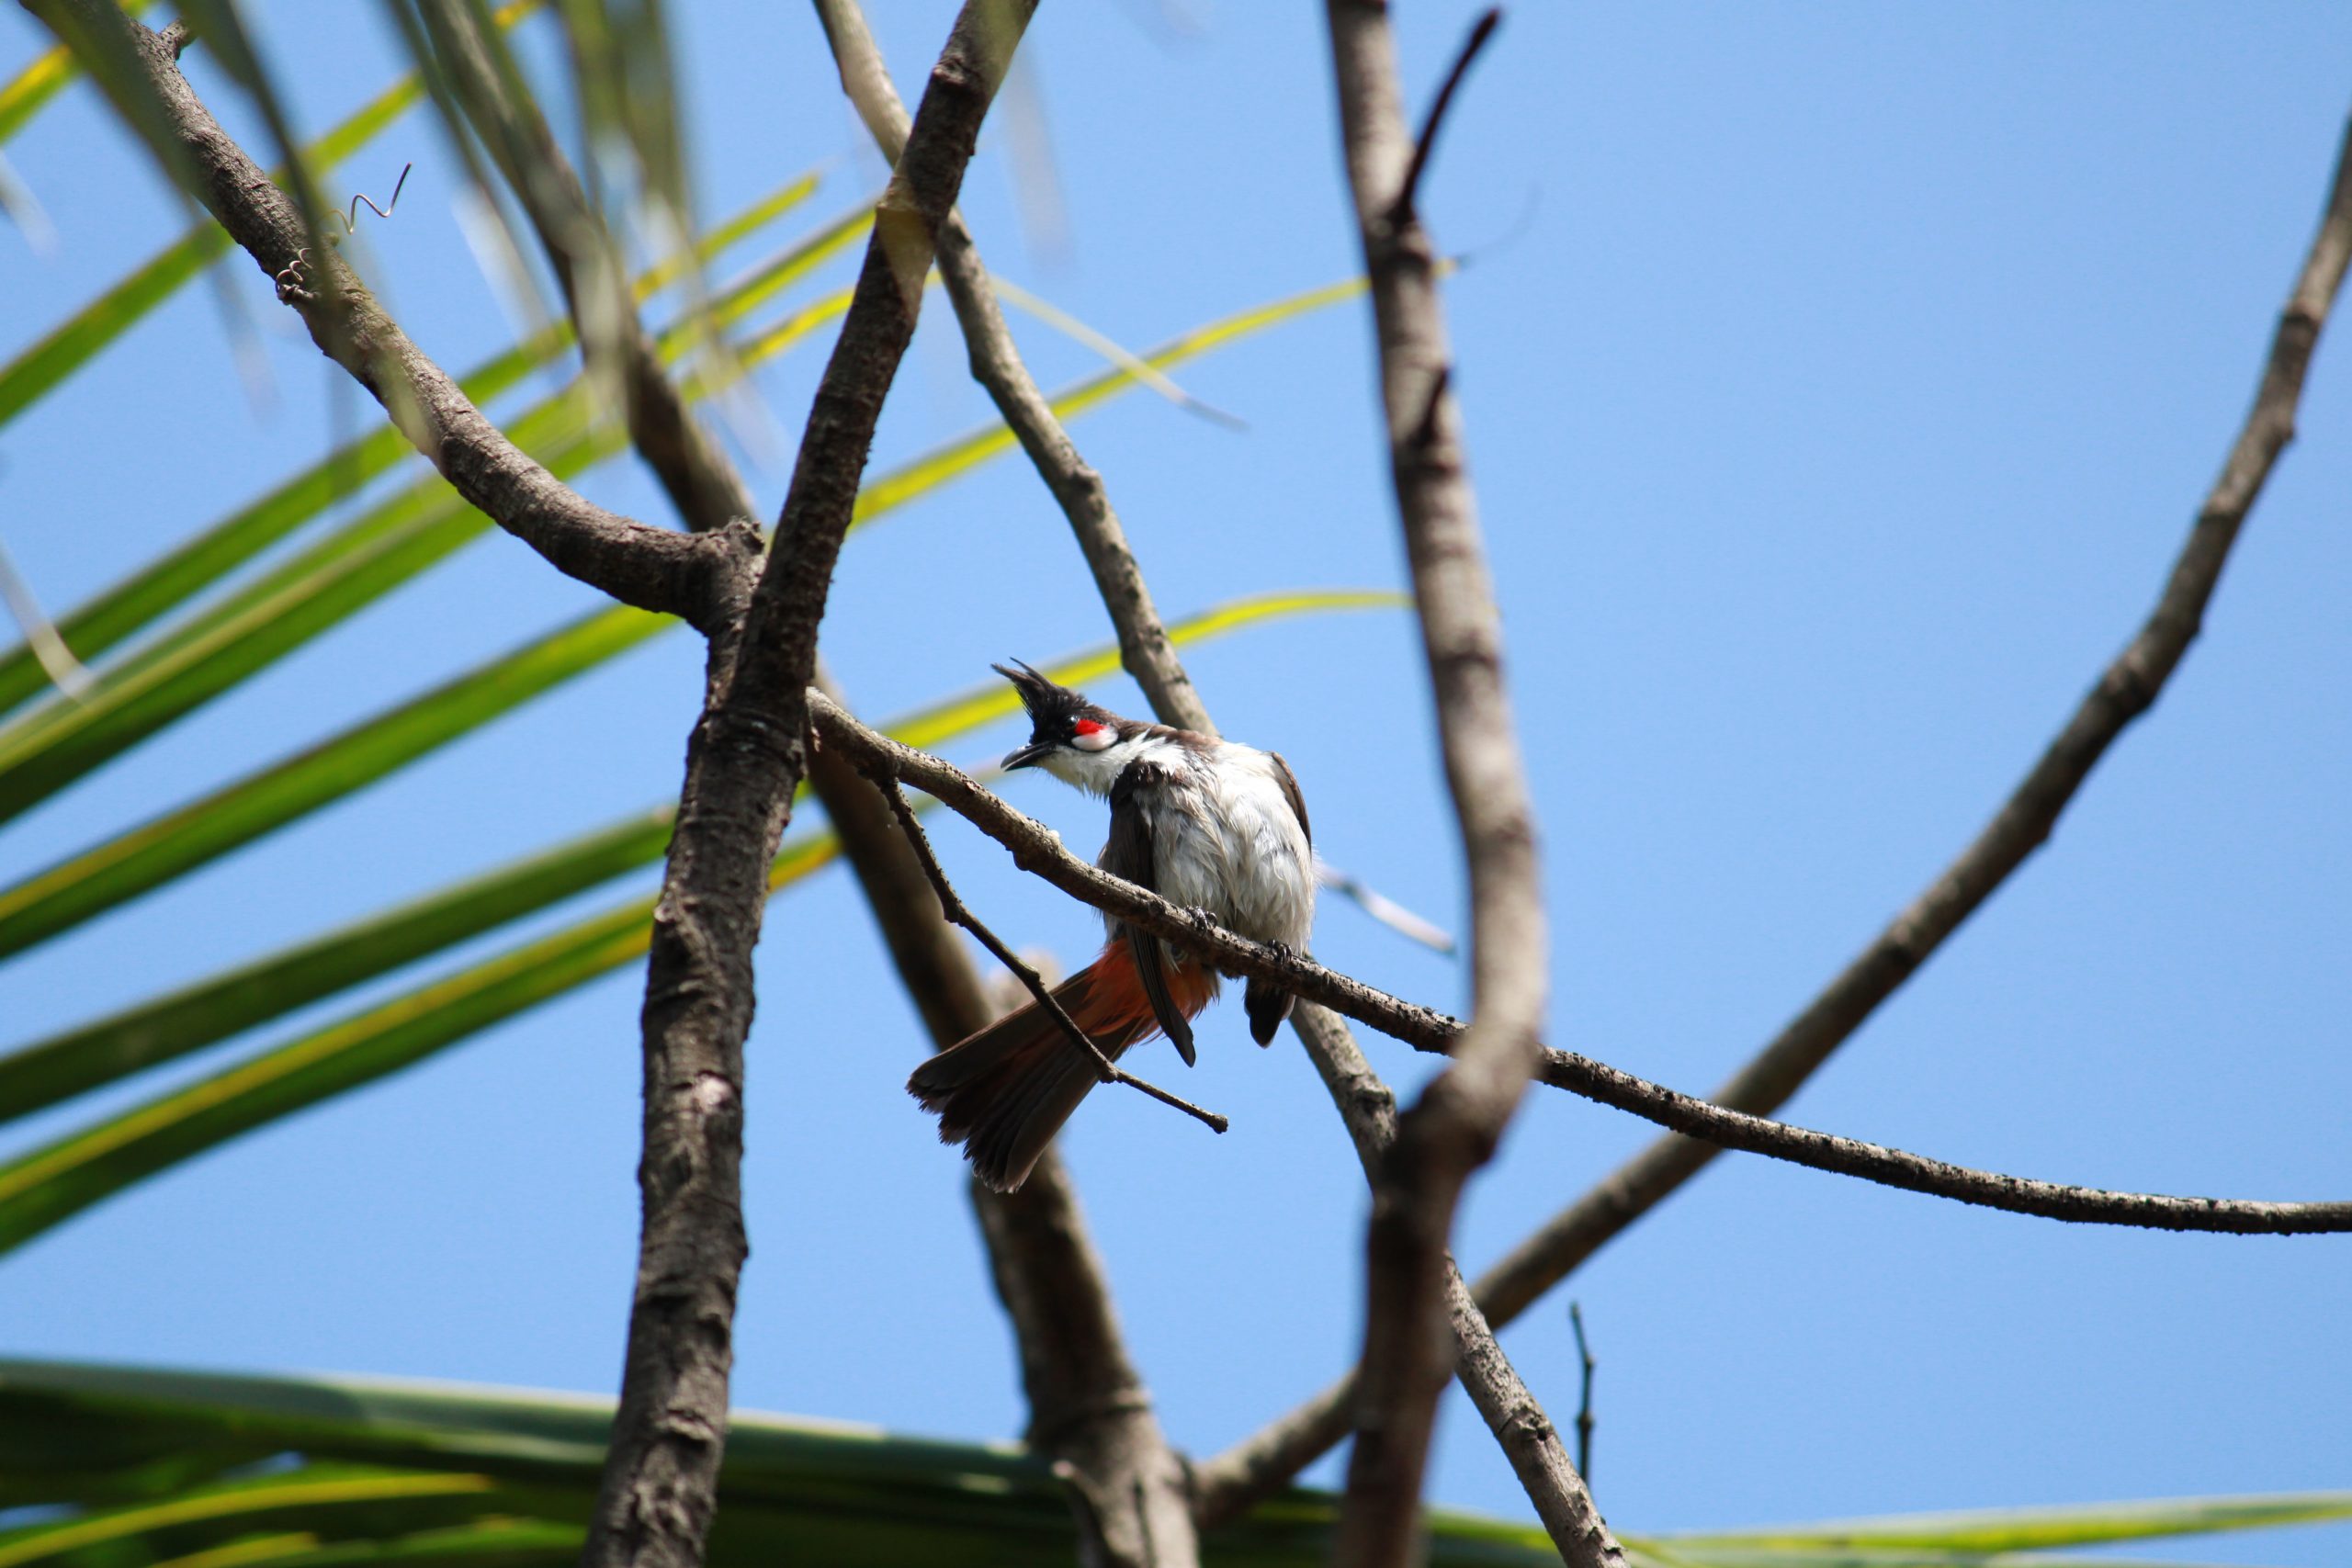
<point x="1208" y="824"/>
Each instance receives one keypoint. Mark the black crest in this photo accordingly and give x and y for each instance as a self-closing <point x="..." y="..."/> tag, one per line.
<point x="1054" y="711"/>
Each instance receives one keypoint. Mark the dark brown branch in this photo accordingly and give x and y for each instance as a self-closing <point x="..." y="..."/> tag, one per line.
<point x="744" y="759"/>
<point x="1088" y="1407"/>
<point x="1403" y="209"/>
<point x="953" y="908"/>
<point x="1585" y="1421"/>
<point x="1267" y="1461"/>
<point x="1146" y="650"/>
<point x="652" y="569"/>
<point x="1038" y="849"/>
<point x="1454" y="1128"/>
<point x="1528" y="1438"/>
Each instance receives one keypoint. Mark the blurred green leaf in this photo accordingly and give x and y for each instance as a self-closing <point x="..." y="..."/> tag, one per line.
<point x="123" y="867"/>
<point x="68" y="346"/>
<point x="61" y="1178"/>
<point x="791" y="1490"/>
<point x="30" y="91"/>
<point x="2028" y="1529"/>
<point x="56" y="1069"/>
<point x="393" y="542"/>
<point x="935" y="468"/>
<point x="174" y="577"/>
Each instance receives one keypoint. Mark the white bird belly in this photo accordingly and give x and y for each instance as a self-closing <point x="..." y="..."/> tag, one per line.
<point x="1255" y="873"/>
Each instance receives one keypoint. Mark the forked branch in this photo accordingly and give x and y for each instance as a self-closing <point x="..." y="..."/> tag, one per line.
<point x="953" y="907"/>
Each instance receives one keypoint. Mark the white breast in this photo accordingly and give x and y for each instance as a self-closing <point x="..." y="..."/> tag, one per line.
<point x="1253" y="871"/>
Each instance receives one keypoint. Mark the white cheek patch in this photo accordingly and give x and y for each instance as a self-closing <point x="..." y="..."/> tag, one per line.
<point x="1101" y="737"/>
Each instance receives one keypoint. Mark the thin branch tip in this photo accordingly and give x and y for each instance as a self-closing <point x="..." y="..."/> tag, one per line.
<point x="1404" y="209"/>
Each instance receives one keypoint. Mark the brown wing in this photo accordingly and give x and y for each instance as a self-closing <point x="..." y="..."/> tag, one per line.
<point x="1289" y="782"/>
<point x="1129" y="853"/>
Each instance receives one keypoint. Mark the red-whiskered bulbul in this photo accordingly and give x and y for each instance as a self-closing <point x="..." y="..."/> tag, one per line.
<point x="1205" y="823"/>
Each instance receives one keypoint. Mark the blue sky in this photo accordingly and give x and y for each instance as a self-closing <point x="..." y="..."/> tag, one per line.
<point x="1839" y="382"/>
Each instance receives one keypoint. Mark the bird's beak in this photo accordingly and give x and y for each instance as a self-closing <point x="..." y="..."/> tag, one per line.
<point x="1028" y="756"/>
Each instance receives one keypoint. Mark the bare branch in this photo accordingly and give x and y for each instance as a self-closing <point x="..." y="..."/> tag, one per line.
<point x="953" y="908"/>
<point x="1267" y="1461"/>
<point x="1087" y="1406"/>
<point x="1528" y="1438"/>
<point x="1585" y="1421"/>
<point x="745" y="759"/>
<point x="1147" y="651"/>
<point x="1404" y="209"/>
<point x="653" y="569"/>
<point x="1454" y="1128"/>
<point x="1145" y="647"/>
<point x="1039" y="850"/>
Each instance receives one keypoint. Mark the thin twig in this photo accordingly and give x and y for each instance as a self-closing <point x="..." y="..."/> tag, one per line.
<point x="1146" y="650"/>
<point x="1037" y="848"/>
<point x="1404" y="210"/>
<point x="1584" y="1399"/>
<point x="953" y="908"/>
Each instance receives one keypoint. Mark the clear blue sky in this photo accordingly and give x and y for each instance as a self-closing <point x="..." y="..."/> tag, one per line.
<point x="1839" y="382"/>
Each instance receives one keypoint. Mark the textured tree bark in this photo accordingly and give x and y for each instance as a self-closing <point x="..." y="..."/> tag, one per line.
<point x="746" y="756"/>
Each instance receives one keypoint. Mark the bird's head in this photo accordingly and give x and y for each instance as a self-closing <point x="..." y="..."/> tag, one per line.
<point x="1068" y="736"/>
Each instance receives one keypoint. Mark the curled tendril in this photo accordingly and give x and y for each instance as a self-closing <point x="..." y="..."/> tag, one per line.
<point x="350" y="213"/>
<point x="293" y="279"/>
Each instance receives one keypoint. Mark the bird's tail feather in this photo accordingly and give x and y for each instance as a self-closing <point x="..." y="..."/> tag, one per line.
<point x="1006" y="1091"/>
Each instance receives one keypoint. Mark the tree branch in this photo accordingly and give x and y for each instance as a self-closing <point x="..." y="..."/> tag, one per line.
<point x="953" y="908"/>
<point x="1453" y="1129"/>
<point x="1528" y="1437"/>
<point x="1038" y="849"/>
<point x="746" y="756"/>
<point x="652" y="569"/>
<point x="1267" y="1461"/>
<point x="1088" y="1407"/>
<point x="1146" y="650"/>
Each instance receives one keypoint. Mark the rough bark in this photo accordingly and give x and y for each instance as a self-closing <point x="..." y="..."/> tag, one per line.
<point x="747" y="755"/>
